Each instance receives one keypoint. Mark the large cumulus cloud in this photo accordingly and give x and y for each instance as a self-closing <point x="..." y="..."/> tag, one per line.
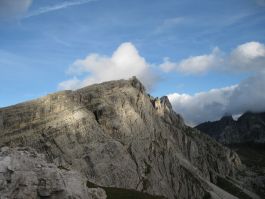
<point x="124" y="63"/>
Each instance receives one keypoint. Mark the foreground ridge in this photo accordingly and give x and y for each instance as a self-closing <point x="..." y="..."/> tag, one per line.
<point x="116" y="135"/>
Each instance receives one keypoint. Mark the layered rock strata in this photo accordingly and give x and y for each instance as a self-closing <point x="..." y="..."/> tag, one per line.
<point x="116" y="135"/>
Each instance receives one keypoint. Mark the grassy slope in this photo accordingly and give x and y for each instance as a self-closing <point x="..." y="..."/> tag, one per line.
<point x="118" y="193"/>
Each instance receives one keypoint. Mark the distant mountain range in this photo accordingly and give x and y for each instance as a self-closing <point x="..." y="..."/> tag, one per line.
<point x="246" y="136"/>
<point x="249" y="128"/>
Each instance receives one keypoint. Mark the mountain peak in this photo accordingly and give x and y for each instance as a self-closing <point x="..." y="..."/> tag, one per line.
<point x="227" y="119"/>
<point x="116" y="135"/>
<point x="248" y="128"/>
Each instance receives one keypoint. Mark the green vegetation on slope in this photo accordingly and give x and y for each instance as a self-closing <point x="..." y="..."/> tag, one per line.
<point x="231" y="188"/>
<point x="119" y="193"/>
<point x="251" y="154"/>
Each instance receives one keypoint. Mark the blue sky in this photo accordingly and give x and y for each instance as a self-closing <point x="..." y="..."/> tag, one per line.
<point x="42" y="40"/>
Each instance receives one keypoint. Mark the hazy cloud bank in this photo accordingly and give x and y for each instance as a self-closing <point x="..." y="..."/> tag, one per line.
<point x="248" y="95"/>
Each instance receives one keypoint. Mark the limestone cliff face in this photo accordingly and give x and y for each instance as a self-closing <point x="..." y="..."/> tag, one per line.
<point x="25" y="174"/>
<point x="116" y="135"/>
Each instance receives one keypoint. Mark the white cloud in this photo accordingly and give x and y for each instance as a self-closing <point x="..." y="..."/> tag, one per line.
<point x="55" y="7"/>
<point x="249" y="56"/>
<point x="248" y="95"/>
<point x="13" y="9"/>
<point x="250" y="50"/>
<point x="124" y="63"/>
<point x="194" y="64"/>
<point x="202" y="106"/>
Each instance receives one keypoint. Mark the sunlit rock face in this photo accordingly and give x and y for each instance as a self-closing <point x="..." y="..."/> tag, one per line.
<point x="116" y="135"/>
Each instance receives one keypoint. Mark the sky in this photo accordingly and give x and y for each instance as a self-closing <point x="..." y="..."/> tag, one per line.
<point x="207" y="56"/>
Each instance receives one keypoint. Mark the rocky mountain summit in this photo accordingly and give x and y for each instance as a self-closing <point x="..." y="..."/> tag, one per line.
<point x="116" y="138"/>
<point x="250" y="127"/>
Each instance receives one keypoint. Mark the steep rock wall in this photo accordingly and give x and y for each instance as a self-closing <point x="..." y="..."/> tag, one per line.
<point x="117" y="135"/>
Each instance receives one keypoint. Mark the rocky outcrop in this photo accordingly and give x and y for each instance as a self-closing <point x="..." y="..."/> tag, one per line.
<point x="250" y="127"/>
<point x="118" y="136"/>
<point x="25" y="174"/>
